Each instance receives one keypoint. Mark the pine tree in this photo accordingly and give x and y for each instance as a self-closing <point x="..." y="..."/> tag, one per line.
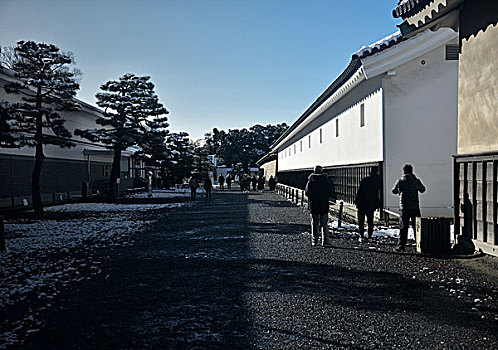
<point x="182" y="155"/>
<point x="201" y="163"/>
<point x="46" y="82"/>
<point x="132" y="116"/>
<point x="9" y="135"/>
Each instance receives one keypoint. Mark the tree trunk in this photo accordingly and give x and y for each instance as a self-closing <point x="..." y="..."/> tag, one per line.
<point x="115" y="172"/>
<point x="39" y="156"/>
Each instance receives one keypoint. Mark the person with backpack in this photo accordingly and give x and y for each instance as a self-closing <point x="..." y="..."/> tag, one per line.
<point x="407" y="187"/>
<point x="319" y="189"/>
<point x="367" y="200"/>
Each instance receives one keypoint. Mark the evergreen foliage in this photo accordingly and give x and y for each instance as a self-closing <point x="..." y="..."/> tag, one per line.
<point x="243" y="146"/>
<point x="132" y="115"/>
<point x="182" y="154"/>
<point x="45" y="81"/>
<point x="201" y="164"/>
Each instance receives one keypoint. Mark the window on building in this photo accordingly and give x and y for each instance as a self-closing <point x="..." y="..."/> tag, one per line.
<point x="107" y="170"/>
<point x="309" y="141"/>
<point x="321" y="139"/>
<point x="294" y="148"/>
<point x="452" y="52"/>
<point x="362" y="115"/>
<point x="301" y="145"/>
<point x="337" y="128"/>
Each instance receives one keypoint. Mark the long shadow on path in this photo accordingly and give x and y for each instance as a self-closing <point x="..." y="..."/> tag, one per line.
<point x="237" y="273"/>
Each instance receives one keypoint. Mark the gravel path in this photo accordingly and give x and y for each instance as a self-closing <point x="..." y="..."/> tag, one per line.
<point x="238" y="272"/>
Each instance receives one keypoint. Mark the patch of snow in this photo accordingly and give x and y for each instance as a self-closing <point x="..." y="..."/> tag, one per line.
<point x="181" y="192"/>
<point x="378" y="44"/>
<point x="43" y="257"/>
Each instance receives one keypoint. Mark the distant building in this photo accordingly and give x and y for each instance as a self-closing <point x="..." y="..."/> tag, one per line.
<point x="268" y="164"/>
<point x="85" y="167"/>
<point x="476" y="158"/>
<point x="395" y="103"/>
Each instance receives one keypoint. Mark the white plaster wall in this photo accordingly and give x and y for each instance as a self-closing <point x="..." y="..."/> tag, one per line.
<point x="354" y="145"/>
<point x="83" y="119"/>
<point x="421" y="128"/>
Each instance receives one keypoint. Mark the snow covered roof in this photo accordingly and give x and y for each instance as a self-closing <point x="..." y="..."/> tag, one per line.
<point x="134" y="149"/>
<point x="11" y="74"/>
<point x="379" y="45"/>
<point x="407" y="8"/>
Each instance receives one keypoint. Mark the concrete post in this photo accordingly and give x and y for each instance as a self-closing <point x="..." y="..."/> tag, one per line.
<point x="339" y="220"/>
<point x="2" y="234"/>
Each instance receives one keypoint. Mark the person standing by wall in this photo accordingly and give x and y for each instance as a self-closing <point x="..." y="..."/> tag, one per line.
<point x="318" y="190"/>
<point x="407" y="187"/>
<point x="367" y="201"/>
<point x="208" y="186"/>
<point x="221" y="180"/>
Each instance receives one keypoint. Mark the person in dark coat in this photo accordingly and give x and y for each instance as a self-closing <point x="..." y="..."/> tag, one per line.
<point x="318" y="190"/>
<point x="229" y="181"/>
<point x="208" y="186"/>
<point x="272" y="183"/>
<point x="254" y="182"/>
<point x="367" y="201"/>
<point x="193" y="188"/>
<point x="221" y="180"/>
<point x="407" y="187"/>
<point x="261" y="183"/>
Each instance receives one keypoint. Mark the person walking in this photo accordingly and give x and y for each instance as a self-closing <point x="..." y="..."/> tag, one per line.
<point x="318" y="190"/>
<point x="254" y="182"/>
<point x="193" y="187"/>
<point x="407" y="187"/>
<point x="229" y="181"/>
<point x="208" y="186"/>
<point x="261" y="183"/>
<point x="221" y="180"/>
<point x="367" y="200"/>
<point x="272" y="183"/>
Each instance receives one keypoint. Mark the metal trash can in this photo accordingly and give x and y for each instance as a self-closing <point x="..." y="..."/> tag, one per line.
<point x="433" y="236"/>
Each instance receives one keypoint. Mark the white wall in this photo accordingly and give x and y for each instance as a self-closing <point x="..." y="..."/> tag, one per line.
<point x="421" y="128"/>
<point x="83" y="119"/>
<point x="354" y="145"/>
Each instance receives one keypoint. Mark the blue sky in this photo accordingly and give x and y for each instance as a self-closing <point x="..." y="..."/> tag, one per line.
<point x="225" y="64"/>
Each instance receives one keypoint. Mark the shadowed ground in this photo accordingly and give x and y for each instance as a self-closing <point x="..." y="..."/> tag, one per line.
<point x="239" y="272"/>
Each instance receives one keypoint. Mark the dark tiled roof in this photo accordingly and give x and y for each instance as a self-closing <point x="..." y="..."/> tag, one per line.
<point x="379" y="46"/>
<point x="407" y="8"/>
<point x="267" y="158"/>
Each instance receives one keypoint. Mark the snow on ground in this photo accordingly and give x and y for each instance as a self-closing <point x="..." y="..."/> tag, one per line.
<point x="181" y="192"/>
<point x="43" y="257"/>
<point x="351" y="230"/>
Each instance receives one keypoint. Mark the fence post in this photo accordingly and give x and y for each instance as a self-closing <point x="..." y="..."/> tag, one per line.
<point x="339" y="220"/>
<point x="53" y="198"/>
<point x="2" y="233"/>
<point x="68" y="196"/>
